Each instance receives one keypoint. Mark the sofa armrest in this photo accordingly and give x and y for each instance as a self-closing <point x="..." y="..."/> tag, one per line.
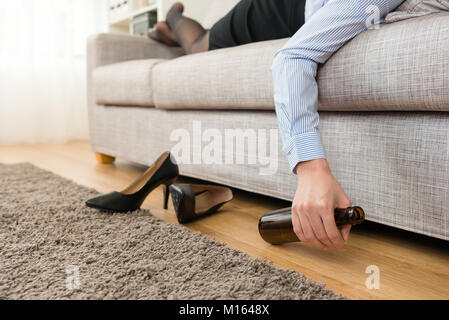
<point x="107" y="48"/>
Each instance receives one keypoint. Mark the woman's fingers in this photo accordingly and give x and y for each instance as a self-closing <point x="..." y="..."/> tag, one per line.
<point x="309" y="234"/>
<point x="297" y="225"/>
<point x="319" y="230"/>
<point x="344" y="202"/>
<point x="345" y="230"/>
<point x="318" y="227"/>
<point x="332" y="231"/>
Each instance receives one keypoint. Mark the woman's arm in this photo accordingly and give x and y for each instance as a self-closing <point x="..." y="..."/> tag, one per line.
<point x="296" y="98"/>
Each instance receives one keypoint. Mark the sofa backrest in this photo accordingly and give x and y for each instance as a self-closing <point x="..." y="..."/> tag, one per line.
<point x="218" y="9"/>
<point x="417" y="8"/>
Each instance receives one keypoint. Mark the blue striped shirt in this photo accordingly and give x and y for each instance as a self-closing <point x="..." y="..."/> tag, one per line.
<point x="329" y="25"/>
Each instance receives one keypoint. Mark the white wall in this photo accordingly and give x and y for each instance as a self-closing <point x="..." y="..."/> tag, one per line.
<point x="195" y="9"/>
<point x="42" y="68"/>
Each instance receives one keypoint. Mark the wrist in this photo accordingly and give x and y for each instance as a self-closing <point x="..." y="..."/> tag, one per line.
<point x="315" y="164"/>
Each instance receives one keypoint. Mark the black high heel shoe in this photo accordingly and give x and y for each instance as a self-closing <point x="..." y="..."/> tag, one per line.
<point x="163" y="172"/>
<point x="194" y="201"/>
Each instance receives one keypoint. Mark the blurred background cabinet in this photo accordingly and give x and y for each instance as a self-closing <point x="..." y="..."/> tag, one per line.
<point x="136" y="16"/>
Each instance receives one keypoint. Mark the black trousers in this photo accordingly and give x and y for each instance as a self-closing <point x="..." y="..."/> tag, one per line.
<point x="257" y="20"/>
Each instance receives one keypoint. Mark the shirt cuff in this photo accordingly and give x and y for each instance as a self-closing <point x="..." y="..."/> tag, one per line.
<point x="304" y="147"/>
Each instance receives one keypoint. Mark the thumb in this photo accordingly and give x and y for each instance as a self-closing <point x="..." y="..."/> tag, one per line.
<point x="345" y="232"/>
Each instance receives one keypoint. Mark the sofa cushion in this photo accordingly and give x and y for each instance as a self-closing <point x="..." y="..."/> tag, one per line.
<point x="231" y="78"/>
<point x="125" y="83"/>
<point x="401" y="66"/>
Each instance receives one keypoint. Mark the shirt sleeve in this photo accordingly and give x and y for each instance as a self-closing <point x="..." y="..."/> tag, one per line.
<point x="295" y="68"/>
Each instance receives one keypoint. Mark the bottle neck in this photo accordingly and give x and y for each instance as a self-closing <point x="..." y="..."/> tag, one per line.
<point x="349" y="216"/>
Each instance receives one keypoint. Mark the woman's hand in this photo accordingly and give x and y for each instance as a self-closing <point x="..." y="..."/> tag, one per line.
<point x="317" y="195"/>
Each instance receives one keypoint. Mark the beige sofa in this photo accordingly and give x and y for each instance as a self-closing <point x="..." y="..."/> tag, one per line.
<point x="384" y="102"/>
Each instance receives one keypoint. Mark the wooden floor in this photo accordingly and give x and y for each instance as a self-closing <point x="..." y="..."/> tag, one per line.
<point x="411" y="266"/>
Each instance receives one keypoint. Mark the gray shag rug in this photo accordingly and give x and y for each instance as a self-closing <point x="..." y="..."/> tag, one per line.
<point x="53" y="247"/>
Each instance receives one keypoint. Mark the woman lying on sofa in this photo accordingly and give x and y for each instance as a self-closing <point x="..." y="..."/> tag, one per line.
<point x="317" y="29"/>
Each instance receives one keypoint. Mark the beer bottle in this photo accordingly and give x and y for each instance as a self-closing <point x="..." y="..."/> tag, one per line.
<point x="277" y="228"/>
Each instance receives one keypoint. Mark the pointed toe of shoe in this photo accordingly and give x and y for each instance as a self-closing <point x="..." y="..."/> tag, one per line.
<point x="112" y="202"/>
<point x="99" y="202"/>
<point x="93" y="203"/>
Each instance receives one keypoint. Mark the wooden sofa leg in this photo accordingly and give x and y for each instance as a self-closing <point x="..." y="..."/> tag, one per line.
<point x="104" y="159"/>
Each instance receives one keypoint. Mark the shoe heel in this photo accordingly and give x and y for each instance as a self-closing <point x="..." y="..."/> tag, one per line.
<point x="166" y="196"/>
<point x="166" y="192"/>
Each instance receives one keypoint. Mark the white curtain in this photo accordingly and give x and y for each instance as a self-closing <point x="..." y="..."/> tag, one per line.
<point x="43" y="68"/>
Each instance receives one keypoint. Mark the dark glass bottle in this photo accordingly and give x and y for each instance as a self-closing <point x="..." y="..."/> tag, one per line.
<point x="276" y="227"/>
